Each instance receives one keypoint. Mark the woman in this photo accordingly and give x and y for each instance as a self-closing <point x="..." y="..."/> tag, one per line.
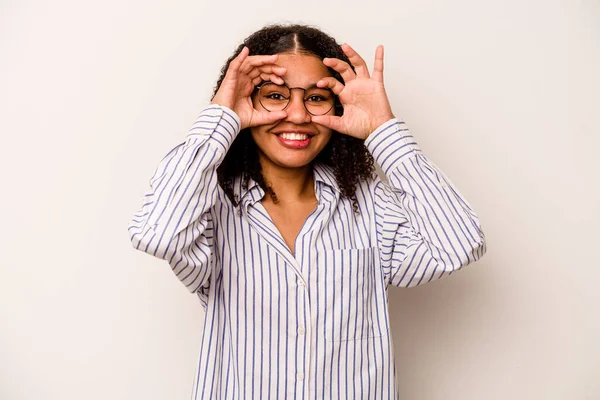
<point x="271" y="213"/>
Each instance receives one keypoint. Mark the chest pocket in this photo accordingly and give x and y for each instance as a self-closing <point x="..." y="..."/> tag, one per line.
<point x="355" y="302"/>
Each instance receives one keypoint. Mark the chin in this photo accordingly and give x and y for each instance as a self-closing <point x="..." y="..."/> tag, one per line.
<point x="292" y="162"/>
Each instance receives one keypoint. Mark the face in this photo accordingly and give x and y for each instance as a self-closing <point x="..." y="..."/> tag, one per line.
<point x="295" y="141"/>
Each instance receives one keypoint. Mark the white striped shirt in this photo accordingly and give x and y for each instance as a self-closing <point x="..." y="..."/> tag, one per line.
<point x="313" y="324"/>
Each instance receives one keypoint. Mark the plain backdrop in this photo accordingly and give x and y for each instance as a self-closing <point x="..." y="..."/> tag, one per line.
<point x="502" y="95"/>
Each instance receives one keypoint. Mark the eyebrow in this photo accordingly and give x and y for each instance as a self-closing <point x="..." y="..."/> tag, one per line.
<point x="313" y="86"/>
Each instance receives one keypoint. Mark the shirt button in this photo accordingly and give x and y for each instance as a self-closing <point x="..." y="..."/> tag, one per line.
<point x="300" y="376"/>
<point x="301" y="284"/>
<point x="301" y="330"/>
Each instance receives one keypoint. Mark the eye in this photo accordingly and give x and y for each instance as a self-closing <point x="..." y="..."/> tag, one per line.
<point x="275" y="96"/>
<point x="315" y="98"/>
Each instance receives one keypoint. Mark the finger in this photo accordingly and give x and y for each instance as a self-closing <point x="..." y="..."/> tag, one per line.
<point x="329" y="121"/>
<point x="224" y="95"/>
<point x="267" y="78"/>
<point x="266" y="117"/>
<point x="236" y="64"/>
<point x="378" y="68"/>
<point x="262" y="59"/>
<point x="332" y="83"/>
<point x="359" y="63"/>
<point x="340" y="66"/>
<point x="256" y="61"/>
<point x="269" y="69"/>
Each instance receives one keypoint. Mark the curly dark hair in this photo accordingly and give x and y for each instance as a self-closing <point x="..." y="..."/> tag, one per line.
<point x="349" y="158"/>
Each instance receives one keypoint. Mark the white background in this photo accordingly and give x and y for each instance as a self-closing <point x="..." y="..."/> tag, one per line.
<point x="503" y="96"/>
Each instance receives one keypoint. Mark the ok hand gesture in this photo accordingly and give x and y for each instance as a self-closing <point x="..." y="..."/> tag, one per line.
<point x="363" y="97"/>
<point x="242" y="76"/>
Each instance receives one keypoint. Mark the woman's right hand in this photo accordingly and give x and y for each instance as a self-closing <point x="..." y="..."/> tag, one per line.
<point x="242" y="76"/>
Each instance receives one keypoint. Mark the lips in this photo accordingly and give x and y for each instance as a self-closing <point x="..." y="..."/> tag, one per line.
<point x="294" y="140"/>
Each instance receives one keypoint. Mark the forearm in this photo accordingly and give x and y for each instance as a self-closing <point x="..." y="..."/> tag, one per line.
<point x="442" y="227"/>
<point x="183" y="188"/>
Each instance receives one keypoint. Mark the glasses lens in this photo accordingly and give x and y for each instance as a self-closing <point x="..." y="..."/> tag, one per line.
<point x="318" y="101"/>
<point x="274" y="97"/>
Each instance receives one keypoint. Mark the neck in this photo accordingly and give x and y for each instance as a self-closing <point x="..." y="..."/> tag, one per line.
<point x="291" y="185"/>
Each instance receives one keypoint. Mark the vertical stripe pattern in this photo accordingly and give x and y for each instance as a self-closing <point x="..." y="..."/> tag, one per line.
<point x="315" y="324"/>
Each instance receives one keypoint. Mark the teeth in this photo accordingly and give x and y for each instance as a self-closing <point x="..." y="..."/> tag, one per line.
<point x="294" y="136"/>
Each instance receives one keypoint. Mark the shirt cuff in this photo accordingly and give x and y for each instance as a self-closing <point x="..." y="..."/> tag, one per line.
<point x="217" y="124"/>
<point x="391" y="144"/>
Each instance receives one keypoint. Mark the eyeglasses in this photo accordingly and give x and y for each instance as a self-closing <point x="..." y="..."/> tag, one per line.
<point x="273" y="97"/>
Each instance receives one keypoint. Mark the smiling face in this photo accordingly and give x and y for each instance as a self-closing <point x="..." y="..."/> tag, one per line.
<point x="295" y="141"/>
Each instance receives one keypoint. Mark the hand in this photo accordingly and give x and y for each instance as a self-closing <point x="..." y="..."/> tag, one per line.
<point x="242" y="76"/>
<point x="363" y="97"/>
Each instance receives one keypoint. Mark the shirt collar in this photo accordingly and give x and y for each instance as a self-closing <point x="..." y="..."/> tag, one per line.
<point x="324" y="174"/>
<point x="249" y="195"/>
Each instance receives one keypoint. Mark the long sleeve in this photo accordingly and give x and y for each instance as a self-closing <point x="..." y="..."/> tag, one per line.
<point x="425" y="228"/>
<point x="174" y="222"/>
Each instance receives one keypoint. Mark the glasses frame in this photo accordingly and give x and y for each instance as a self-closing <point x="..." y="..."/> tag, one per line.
<point x="333" y="105"/>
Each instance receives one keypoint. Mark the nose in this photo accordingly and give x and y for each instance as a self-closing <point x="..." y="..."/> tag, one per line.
<point x="296" y="112"/>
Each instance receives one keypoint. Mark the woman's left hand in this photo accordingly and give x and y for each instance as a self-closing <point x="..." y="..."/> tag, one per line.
<point x="363" y="96"/>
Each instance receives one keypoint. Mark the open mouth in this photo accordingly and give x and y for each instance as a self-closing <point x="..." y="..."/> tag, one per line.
<point x="294" y="140"/>
<point x="294" y="136"/>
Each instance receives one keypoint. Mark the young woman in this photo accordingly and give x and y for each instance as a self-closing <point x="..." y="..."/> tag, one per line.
<point x="271" y="213"/>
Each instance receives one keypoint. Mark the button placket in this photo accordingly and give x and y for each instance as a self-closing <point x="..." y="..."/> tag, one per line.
<point x="303" y="339"/>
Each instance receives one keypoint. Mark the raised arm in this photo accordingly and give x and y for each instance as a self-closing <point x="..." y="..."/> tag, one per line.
<point x="425" y="228"/>
<point x="174" y="221"/>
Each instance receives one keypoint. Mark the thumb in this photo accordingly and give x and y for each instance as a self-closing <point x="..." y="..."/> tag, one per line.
<point x="329" y="121"/>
